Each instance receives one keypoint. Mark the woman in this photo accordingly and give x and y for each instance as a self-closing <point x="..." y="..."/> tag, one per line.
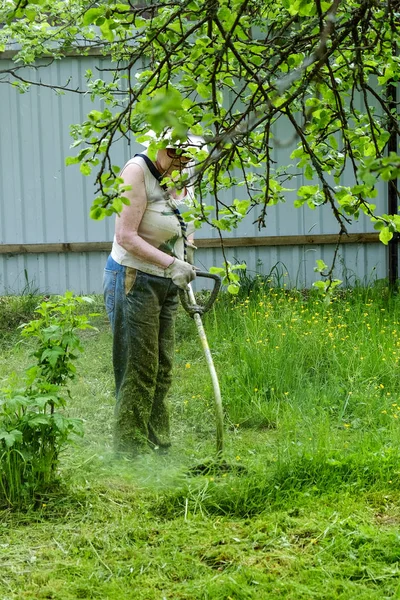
<point x="141" y="280"/>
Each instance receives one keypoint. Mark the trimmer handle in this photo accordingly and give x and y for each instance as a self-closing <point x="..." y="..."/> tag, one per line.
<point x="193" y="309"/>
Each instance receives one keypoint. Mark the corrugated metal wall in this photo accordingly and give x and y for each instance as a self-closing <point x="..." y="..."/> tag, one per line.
<point x="43" y="201"/>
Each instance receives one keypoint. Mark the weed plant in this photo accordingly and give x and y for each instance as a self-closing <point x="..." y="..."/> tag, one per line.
<point x="32" y="429"/>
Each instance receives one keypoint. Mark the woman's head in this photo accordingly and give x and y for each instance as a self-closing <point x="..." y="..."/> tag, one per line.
<point x="176" y="155"/>
<point x="172" y="159"/>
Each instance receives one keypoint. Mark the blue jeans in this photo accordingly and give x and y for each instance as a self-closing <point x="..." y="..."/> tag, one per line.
<point x="141" y="309"/>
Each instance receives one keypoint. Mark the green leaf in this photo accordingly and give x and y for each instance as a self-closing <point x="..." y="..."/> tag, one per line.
<point x="241" y="206"/>
<point x="91" y="15"/>
<point x="321" y="266"/>
<point x="321" y="285"/>
<point x="97" y="213"/>
<point x="71" y="160"/>
<point x="379" y="225"/>
<point x="309" y="172"/>
<point x="224" y="14"/>
<point x="85" y="168"/>
<point x="217" y="271"/>
<point x="233" y="289"/>
<point x="39" y="420"/>
<point x="385" y="235"/>
<point x="30" y="14"/>
<point x="117" y="205"/>
<point x="307" y="190"/>
<point x="203" y="90"/>
<point x="106" y="30"/>
<point x="11" y="437"/>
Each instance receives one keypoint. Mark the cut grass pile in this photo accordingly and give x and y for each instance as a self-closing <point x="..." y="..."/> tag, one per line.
<point x="312" y="398"/>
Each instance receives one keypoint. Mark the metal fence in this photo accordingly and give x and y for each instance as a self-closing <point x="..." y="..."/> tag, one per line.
<point x="49" y="243"/>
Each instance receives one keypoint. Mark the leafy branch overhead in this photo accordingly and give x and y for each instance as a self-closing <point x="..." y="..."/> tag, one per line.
<point x="233" y="71"/>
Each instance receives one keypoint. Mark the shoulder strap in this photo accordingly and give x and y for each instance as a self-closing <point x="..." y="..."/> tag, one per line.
<point x="152" y="168"/>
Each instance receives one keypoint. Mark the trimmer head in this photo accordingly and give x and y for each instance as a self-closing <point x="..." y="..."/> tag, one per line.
<point x="216" y="467"/>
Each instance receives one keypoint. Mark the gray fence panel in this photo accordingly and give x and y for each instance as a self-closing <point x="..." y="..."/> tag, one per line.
<point x="43" y="201"/>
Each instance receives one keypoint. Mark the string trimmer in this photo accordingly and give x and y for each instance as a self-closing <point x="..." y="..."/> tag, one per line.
<point x="196" y="311"/>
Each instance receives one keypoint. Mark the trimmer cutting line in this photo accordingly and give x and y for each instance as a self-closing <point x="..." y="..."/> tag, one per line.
<point x="195" y="310"/>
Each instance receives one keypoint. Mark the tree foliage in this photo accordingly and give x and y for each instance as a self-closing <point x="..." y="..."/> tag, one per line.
<point x="232" y="71"/>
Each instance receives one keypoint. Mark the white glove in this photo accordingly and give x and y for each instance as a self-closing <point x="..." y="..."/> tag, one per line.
<point x="181" y="273"/>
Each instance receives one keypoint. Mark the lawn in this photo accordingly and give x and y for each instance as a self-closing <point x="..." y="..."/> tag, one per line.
<point x="310" y="508"/>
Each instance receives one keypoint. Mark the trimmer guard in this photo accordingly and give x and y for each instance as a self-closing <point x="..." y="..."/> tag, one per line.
<point x="193" y="309"/>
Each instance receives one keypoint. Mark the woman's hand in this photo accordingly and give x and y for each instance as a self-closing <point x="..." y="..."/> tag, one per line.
<point x="181" y="273"/>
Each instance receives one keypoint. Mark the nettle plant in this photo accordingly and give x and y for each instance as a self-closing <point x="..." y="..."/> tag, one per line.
<point x="33" y="426"/>
<point x="233" y="71"/>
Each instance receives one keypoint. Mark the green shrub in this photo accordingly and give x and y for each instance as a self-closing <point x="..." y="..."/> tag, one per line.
<point x="32" y="433"/>
<point x="32" y="430"/>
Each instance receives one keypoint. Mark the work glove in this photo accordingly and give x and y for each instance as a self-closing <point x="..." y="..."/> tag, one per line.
<point x="190" y="248"/>
<point x="181" y="273"/>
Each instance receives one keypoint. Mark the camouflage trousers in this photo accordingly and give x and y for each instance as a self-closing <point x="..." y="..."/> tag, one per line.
<point x="141" y="309"/>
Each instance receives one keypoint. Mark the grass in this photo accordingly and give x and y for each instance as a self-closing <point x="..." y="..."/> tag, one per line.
<point x="312" y="396"/>
<point x="14" y="310"/>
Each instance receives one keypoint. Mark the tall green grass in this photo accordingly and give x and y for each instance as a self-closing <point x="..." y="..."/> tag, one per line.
<point x="281" y="351"/>
<point x="323" y="380"/>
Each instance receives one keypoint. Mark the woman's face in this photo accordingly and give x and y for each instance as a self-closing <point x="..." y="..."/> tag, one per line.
<point x="171" y="159"/>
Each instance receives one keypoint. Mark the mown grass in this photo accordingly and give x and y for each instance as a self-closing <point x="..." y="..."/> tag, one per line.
<point x="312" y="397"/>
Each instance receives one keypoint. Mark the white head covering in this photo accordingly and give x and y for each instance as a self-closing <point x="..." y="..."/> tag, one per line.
<point x="190" y="140"/>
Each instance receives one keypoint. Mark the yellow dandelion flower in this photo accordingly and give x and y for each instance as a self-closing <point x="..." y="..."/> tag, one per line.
<point x="187" y="365"/>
